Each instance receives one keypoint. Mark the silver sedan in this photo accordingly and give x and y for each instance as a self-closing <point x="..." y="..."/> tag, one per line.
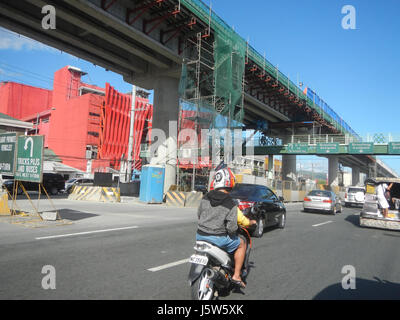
<point x="322" y="200"/>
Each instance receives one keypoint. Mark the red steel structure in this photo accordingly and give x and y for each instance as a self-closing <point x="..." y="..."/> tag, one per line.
<point x="115" y="126"/>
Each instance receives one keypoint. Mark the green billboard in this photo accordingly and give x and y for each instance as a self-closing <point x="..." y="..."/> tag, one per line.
<point x="394" y="148"/>
<point x="8" y="143"/>
<point x="297" y="148"/>
<point x="361" y="148"/>
<point x="29" y="159"/>
<point x="328" y="148"/>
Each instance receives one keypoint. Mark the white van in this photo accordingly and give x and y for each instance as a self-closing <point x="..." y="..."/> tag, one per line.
<point x="354" y="196"/>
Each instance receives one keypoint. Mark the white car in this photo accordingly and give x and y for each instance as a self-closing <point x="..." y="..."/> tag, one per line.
<point x="354" y="196"/>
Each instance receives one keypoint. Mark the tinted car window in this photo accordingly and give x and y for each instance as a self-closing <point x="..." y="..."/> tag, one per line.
<point x="241" y="190"/>
<point x="320" y="193"/>
<point x="355" y="190"/>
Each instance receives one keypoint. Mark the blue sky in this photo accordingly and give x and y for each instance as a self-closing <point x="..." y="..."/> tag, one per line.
<point x="354" y="71"/>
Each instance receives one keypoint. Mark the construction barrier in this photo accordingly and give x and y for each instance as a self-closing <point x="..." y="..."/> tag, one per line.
<point x="4" y="209"/>
<point x="96" y="194"/>
<point x="193" y="199"/>
<point x="175" y="199"/>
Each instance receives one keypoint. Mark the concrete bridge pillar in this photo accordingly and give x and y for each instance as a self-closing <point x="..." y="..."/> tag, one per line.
<point x="355" y="176"/>
<point x="165" y="118"/>
<point x="333" y="169"/>
<point x="271" y="167"/>
<point x="289" y="167"/>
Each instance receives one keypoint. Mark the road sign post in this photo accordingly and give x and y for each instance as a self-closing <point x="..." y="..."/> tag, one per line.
<point x="29" y="166"/>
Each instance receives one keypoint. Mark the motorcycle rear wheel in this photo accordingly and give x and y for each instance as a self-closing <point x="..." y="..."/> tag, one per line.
<point x="203" y="287"/>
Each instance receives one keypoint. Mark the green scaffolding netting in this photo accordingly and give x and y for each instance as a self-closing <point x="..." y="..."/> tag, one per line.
<point x="229" y="55"/>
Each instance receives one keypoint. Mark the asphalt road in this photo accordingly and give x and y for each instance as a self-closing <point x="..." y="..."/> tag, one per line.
<point x="130" y="251"/>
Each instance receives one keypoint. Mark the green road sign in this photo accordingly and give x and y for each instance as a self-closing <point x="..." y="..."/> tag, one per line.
<point x="8" y="143"/>
<point x="394" y="148"/>
<point x="328" y="148"/>
<point x="29" y="159"/>
<point x="297" y="148"/>
<point x="361" y="148"/>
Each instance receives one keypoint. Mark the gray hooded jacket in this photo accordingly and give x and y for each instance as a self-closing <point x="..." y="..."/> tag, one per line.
<point x="217" y="215"/>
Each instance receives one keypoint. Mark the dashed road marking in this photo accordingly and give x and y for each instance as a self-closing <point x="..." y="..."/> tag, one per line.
<point x="85" y="233"/>
<point x="321" y="224"/>
<point x="169" y="265"/>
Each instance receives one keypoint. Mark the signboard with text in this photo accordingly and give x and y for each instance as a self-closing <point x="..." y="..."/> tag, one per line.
<point x="328" y="148"/>
<point x="297" y="148"/>
<point x="29" y="163"/>
<point x="8" y="143"/>
<point x="394" y="148"/>
<point x="361" y="148"/>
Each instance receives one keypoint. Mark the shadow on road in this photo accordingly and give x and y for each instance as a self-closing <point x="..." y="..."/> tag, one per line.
<point x="354" y="219"/>
<point x="365" y="290"/>
<point x="74" y="215"/>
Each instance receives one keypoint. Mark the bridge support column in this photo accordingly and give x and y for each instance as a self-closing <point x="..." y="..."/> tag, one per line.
<point x="165" y="118"/>
<point x="333" y="169"/>
<point x="288" y="167"/>
<point x="271" y="167"/>
<point x="355" y="176"/>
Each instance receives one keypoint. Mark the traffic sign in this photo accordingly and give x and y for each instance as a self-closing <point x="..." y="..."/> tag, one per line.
<point x="29" y="159"/>
<point x="394" y="148"/>
<point x="297" y="148"/>
<point x="328" y="148"/>
<point x="8" y="143"/>
<point x="361" y="148"/>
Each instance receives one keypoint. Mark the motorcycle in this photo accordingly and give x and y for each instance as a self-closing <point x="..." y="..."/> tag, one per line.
<point x="212" y="268"/>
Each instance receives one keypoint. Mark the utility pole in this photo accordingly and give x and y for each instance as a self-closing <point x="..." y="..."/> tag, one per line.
<point x="131" y="133"/>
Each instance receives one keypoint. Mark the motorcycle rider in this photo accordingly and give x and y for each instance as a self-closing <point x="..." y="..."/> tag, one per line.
<point x="219" y="216"/>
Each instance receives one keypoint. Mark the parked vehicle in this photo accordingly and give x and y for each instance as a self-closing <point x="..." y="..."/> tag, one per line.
<point x="371" y="215"/>
<point x="270" y="208"/>
<point x="354" y="196"/>
<point x="77" y="182"/>
<point x="212" y="268"/>
<point x="53" y="183"/>
<point x="201" y="188"/>
<point x="322" y="200"/>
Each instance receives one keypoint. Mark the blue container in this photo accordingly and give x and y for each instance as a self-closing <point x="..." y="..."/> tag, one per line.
<point x="152" y="184"/>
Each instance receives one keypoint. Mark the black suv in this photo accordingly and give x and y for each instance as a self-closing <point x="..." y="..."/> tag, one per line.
<point x="260" y="203"/>
<point x="53" y="183"/>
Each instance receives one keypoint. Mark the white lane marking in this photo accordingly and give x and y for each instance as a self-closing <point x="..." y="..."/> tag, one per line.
<point x="84" y="233"/>
<point x="321" y="224"/>
<point x="169" y="265"/>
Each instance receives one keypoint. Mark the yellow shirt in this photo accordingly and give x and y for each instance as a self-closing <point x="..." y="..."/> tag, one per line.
<point x="242" y="219"/>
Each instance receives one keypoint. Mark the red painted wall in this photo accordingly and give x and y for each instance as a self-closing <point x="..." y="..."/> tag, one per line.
<point x="19" y="100"/>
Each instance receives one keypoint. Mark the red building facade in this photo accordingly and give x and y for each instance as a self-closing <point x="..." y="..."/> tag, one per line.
<point x="81" y="123"/>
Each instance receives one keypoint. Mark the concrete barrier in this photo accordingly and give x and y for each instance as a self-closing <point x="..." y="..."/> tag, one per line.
<point x="175" y="199"/>
<point x="95" y="194"/>
<point x="193" y="199"/>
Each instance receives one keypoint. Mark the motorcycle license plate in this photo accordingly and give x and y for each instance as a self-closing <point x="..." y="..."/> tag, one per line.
<point x="196" y="259"/>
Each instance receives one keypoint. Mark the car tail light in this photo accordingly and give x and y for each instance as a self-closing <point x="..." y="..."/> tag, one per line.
<point x="345" y="195"/>
<point x="327" y="201"/>
<point x="307" y="199"/>
<point x="243" y="205"/>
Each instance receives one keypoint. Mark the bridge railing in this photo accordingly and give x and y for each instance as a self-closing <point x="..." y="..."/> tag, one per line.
<point x="307" y="139"/>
